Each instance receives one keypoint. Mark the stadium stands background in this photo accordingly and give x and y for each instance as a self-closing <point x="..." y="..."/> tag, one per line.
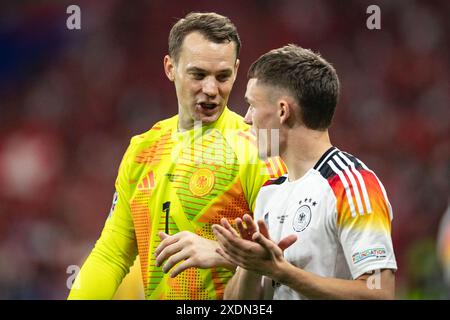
<point x="70" y="100"/>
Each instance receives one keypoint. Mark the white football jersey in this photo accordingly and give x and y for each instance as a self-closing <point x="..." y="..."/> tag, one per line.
<point x="341" y="216"/>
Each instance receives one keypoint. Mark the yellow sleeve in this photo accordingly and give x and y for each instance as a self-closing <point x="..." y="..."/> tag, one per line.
<point x="255" y="175"/>
<point x="115" y="250"/>
<point x="132" y="286"/>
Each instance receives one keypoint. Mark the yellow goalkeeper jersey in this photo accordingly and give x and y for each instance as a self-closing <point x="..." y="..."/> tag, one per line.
<point x="174" y="181"/>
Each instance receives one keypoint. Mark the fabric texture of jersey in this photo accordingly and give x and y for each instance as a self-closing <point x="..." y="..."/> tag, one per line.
<point x="341" y="216"/>
<point x="175" y="181"/>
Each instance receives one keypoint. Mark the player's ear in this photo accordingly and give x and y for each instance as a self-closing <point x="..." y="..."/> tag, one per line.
<point x="284" y="111"/>
<point x="236" y="68"/>
<point x="169" y="67"/>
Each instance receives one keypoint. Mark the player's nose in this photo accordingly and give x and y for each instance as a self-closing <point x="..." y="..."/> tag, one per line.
<point x="248" y="117"/>
<point x="210" y="87"/>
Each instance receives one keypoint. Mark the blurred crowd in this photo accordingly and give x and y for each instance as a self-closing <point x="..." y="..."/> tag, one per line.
<point x="70" y="100"/>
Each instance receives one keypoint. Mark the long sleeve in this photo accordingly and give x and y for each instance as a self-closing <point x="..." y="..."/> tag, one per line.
<point x="115" y="250"/>
<point x="105" y="267"/>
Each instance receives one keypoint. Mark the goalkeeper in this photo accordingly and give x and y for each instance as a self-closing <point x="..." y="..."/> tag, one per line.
<point x="182" y="176"/>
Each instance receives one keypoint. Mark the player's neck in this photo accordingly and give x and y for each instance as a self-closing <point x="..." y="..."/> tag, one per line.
<point x="184" y="124"/>
<point x="303" y="148"/>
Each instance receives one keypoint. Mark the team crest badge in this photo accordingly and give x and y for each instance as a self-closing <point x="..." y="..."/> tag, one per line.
<point x="302" y="218"/>
<point x="202" y="182"/>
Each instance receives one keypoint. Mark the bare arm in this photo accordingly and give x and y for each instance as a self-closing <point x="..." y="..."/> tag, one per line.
<point x="244" y="285"/>
<point x="317" y="287"/>
<point x="264" y="257"/>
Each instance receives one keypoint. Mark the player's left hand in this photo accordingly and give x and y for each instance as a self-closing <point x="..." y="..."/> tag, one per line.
<point x="259" y="254"/>
<point x="190" y="249"/>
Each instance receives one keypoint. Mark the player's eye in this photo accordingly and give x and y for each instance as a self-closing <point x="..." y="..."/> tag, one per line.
<point x="197" y="75"/>
<point x="223" y="77"/>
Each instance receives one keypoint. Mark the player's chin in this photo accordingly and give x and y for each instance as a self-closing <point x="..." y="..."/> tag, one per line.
<point x="210" y="117"/>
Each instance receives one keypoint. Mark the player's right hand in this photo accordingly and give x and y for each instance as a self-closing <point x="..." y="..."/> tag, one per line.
<point x="187" y="250"/>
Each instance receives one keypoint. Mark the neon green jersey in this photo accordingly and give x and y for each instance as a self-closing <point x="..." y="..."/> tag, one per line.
<point x="174" y="181"/>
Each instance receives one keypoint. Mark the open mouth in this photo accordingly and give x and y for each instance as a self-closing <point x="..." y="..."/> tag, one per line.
<point x="208" y="106"/>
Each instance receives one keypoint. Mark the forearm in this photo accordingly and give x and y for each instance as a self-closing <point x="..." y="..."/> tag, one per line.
<point x="316" y="287"/>
<point x="94" y="281"/>
<point x="220" y="261"/>
<point x="105" y="267"/>
<point x="245" y="285"/>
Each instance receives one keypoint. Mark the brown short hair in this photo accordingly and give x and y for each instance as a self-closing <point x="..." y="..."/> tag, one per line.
<point x="213" y="26"/>
<point x="311" y="80"/>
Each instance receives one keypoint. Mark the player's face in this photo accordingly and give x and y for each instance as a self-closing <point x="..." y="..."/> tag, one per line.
<point x="263" y="116"/>
<point x="203" y="77"/>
